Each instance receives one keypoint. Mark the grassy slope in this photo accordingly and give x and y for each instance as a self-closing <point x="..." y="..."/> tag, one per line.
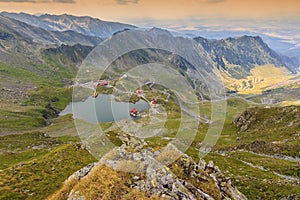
<point x="43" y="170"/>
<point x="255" y="183"/>
<point x="19" y="148"/>
<point x="39" y="177"/>
<point x="32" y="164"/>
<point x="260" y="79"/>
<point x="104" y="183"/>
<point x="272" y="130"/>
<point x="46" y="90"/>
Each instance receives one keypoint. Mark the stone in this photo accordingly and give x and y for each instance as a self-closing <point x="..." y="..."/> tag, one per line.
<point x="202" y="164"/>
<point x="137" y="156"/>
<point x="160" y="180"/>
<point x="136" y="178"/>
<point x="210" y="165"/>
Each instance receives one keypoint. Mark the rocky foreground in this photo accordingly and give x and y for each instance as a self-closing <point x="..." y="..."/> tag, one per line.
<point x="151" y="173"/>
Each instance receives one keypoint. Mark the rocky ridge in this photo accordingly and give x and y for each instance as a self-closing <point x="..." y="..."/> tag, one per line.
<point x="182" y="179"/>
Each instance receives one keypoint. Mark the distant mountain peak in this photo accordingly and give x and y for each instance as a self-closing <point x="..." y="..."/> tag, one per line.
<point x="252" y="38"/>
<point x="159" y="31"/>
<point x="242" y="54"/>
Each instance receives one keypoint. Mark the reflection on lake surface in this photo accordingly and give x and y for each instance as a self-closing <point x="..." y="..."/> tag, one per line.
<point x="103" y="109"/>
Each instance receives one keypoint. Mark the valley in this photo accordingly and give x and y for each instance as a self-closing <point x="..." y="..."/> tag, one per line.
<point x="255" y="157"/>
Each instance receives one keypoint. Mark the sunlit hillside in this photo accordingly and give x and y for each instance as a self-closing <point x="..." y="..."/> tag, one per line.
<point x="261" y="78"/>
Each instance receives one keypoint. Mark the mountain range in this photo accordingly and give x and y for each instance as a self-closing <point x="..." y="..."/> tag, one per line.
<point x="13" y="29"/>
<point x="256" y="155"/>
<point x="234" y="58"/>
<point x="241" y="53"/>
<point x="245" y="51"/>
<point x="280" y="34"/>
<point x="84" y="25"/>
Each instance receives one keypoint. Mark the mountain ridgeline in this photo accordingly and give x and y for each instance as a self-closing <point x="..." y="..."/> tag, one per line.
<point x="84" y="25"/>
<point x="68" y="54"/>
<point x="12" y="29"/>
<point x="243" y="53"/>
<point x="237" y="56"/>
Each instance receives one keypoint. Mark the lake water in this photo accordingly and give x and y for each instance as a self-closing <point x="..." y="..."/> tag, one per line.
<point x="103" y="109"/>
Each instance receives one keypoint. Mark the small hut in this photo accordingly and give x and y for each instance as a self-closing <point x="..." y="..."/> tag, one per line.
<point x="134" y="112"/>
<point x="153" y="102"/>
<point x="140" y="92"/>
<point x="103" y="83"/>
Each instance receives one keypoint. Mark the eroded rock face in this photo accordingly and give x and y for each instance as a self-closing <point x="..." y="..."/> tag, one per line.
<point x="182" y="179"/>
<point x="245" y="120"/>
<point x="82" y="172"/>
<point x="270" y="130"/>
<point x="277" y="117"/>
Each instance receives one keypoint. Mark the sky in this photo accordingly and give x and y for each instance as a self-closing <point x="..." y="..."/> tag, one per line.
<point x="139" y="11"/>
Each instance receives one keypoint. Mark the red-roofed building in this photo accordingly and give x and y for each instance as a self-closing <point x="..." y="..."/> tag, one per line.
<point x="103" y="83"/>
<point x="153" y="102"/>
<point x="134" y="112"/>
<point x="140" y="91"/>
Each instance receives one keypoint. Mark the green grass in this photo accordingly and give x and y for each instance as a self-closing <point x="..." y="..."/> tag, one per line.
<point x="43" y="103"/>
<point x="156" y="142"/>
<point x="21" y="120"/>
<point x="284" y="167"/>
<point x="62" y="126"/>
<point x="57" y="97"/>
<point x="36" y="173"/>
<point x="9" y="159"/>
<point x="60" y="68"/>
<point x="47" y="97"/>
<point x="34" y="165"/>
<point x="21" y="142"/>
<point x="254" y="183"/>
<point x="112" y="136"/>
<point x="235" y="107"/>
<point x="19" y="73"/>
<point x="272" y="130"/>
<point x="22" y="147"/>
<point x="172" y="124"/>
<point x="104" y="183"/>
<point x="41" y="177"/>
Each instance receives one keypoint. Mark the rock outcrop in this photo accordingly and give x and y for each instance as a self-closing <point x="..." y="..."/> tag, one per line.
<point x="181" y="179"/>
<point x="277" y="117"/>
<point x="272" y="130"/>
